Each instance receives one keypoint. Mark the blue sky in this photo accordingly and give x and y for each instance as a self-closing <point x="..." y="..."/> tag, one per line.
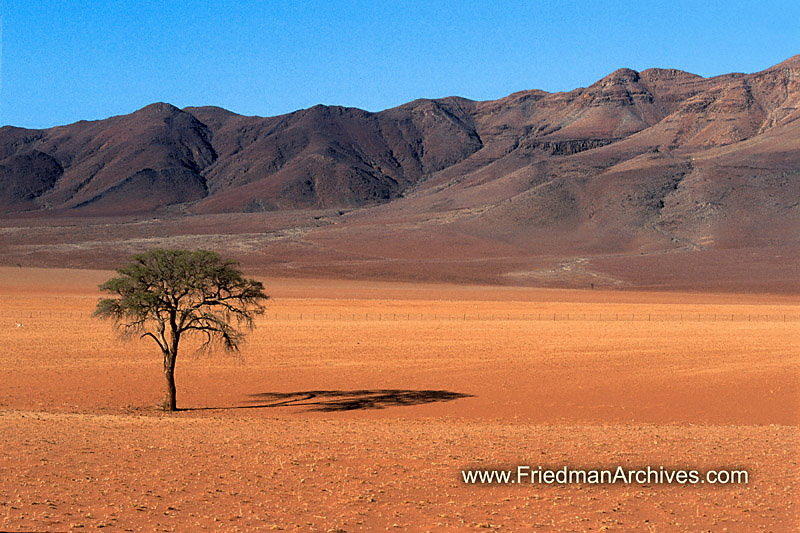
<point x="64" y="61"/>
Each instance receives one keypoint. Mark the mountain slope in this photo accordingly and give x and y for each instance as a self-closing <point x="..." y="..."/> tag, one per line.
<point x="131" y="163"/>
<point x="638" y="163"/>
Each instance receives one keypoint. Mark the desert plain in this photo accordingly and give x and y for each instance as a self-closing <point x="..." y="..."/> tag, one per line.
<point x="354" y="406"/>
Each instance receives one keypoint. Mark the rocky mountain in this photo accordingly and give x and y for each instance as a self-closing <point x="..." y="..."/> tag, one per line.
<point x="637" y="163"/>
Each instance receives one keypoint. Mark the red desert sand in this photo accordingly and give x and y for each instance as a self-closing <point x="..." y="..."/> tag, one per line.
<point x="357" y="405"/>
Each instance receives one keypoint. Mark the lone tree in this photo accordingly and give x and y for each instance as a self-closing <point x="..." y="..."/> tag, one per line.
<point x="166" y="294"/>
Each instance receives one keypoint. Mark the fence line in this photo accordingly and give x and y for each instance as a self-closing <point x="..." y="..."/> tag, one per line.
<point x="467" y="317"/>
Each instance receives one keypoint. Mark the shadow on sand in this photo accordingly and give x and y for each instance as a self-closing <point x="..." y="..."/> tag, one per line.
<point x="345" y="400"/>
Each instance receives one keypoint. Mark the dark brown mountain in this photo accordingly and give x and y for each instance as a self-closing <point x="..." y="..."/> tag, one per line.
<point x="545" y="187"/>
<point x="151" y="158"/>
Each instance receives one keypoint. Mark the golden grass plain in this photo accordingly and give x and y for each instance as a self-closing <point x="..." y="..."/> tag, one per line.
<point x="355" y="405"/>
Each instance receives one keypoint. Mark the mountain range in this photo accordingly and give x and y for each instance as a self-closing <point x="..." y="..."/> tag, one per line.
<point x="659" y="178"/>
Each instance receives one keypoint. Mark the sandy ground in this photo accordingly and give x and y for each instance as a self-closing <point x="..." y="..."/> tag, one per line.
<point x="355" y="406"/>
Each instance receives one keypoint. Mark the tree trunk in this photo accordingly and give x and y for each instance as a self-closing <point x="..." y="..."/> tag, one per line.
<point x="170" y="403"/>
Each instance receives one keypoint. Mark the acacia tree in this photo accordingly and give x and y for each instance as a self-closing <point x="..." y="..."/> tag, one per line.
<point x="167" y="294"/>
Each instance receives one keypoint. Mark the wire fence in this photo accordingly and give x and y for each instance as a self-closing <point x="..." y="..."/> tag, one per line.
<point x="471" y="317"/>
<point x="540" y="317"/>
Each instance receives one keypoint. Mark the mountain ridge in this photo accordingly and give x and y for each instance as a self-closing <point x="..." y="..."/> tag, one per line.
<point x="372" y="157"/>
<point x="635" y="163"/>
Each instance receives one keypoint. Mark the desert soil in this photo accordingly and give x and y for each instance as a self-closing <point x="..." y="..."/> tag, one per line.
<point x="356" y="405"/>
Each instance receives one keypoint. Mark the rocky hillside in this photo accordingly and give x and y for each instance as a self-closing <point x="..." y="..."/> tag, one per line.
<point x="637" y="163"/>
<point x="215" y="160"/>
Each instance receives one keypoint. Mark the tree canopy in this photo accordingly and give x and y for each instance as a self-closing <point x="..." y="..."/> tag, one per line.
<point x="166" y="294"/>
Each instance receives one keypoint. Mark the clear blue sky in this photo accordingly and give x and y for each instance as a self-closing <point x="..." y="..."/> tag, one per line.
<point x="63" y="61"/>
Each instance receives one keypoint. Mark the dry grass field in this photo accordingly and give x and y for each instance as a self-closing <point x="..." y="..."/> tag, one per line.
<point x="355" y="406"/>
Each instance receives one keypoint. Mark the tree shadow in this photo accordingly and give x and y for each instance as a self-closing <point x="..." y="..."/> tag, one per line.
<point x="346" y="400"/>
